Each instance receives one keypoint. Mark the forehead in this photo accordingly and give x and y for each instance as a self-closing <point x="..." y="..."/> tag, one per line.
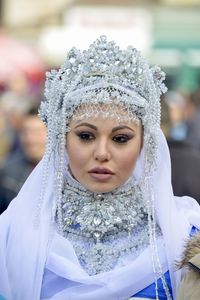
<point x="33" y="122"/>
<point x="109" y="118"/>
<point x="101" y="111"/>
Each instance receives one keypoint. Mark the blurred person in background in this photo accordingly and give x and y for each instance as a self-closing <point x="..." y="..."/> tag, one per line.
<point x="185" y="159"/>
<point x="15" y="101"/>
<point x="4" y="139"/>
<point x="176" y="104"/>
<point x="12" y="110"/>
<point x="20" y="163"/>
<point x="185" y="163"/>
<point x="193" y="119"/>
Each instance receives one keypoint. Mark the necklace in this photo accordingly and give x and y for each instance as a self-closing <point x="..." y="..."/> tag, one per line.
<point x="104" y="228"/>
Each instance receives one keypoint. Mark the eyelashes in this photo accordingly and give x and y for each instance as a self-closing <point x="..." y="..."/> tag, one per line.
<point x="122" y="138"/>
<point x="87" y="137"/>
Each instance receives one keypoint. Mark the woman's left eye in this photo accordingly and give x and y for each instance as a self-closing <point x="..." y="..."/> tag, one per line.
<point x="121" y="138"/>
<point x="85" y="136"/>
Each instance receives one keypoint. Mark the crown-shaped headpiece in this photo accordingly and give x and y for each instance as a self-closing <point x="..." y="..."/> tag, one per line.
<point x="102" y="69"/>
<point x="104" y="74"/>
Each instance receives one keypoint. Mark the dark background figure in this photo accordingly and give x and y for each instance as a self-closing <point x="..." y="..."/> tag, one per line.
<point x="193" y="119"/>
<point x="175" y="103"/>
<point x="185" y="162"/>
<point x="181" y="125"/>
<point x="13" y="108"/>
<point x="19" y="164"/>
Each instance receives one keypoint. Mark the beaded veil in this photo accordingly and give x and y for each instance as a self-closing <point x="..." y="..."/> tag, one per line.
<point x="97" y="80"/>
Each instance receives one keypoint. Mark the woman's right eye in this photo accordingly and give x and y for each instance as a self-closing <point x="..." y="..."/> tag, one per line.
<point x="85" y="136"/>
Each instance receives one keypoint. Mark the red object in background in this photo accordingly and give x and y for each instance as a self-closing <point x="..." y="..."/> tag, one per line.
<point x="17" y="59"/>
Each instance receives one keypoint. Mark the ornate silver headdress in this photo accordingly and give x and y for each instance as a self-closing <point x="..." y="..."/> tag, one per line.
<point x="104" y="74"/>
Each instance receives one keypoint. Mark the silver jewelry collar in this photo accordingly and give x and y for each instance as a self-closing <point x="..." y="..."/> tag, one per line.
<point x="104" y="228"/>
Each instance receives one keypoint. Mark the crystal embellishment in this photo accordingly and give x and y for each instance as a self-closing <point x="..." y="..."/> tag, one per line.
<point x="104" y="228"/>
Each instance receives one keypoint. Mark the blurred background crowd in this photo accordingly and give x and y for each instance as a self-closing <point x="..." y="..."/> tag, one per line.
<point x="35" y="37"/>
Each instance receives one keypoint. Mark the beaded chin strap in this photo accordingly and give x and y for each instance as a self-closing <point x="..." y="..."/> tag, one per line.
<point x="91" y="83"/>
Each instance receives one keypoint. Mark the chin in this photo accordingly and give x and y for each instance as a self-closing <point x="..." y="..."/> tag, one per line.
<point x="101" y="188"/>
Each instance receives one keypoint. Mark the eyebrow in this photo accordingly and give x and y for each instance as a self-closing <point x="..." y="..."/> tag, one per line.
<point x="87" y="124"/>
<point x="113" y="130"/>
<point x="121" y="127"/>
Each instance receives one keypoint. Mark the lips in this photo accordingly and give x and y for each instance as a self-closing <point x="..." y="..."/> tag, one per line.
<point x="101" y="174"/>
<point x="101" y="171"/>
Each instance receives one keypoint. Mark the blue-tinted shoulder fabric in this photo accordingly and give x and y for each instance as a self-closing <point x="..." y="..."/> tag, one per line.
<point x="149" y="292"/>
<point x="193" y="231"/>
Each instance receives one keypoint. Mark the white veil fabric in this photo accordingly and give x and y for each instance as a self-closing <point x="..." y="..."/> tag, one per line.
<point x="25" y="249"/>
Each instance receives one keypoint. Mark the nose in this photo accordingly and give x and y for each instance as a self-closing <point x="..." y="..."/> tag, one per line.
<point x="102" y="152"/>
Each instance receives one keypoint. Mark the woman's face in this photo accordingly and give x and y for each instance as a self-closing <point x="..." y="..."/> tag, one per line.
<point x="103" y="152"/>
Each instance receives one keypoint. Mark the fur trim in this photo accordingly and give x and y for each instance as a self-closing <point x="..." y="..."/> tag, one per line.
<point x="192" y="248"/>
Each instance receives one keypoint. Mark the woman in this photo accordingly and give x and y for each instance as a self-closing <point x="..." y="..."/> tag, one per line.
<point x="97" y="218"/>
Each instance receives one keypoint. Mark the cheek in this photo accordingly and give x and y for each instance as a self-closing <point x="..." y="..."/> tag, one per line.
<point x="128" y="161"/>
<point x="77" y="158"/>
